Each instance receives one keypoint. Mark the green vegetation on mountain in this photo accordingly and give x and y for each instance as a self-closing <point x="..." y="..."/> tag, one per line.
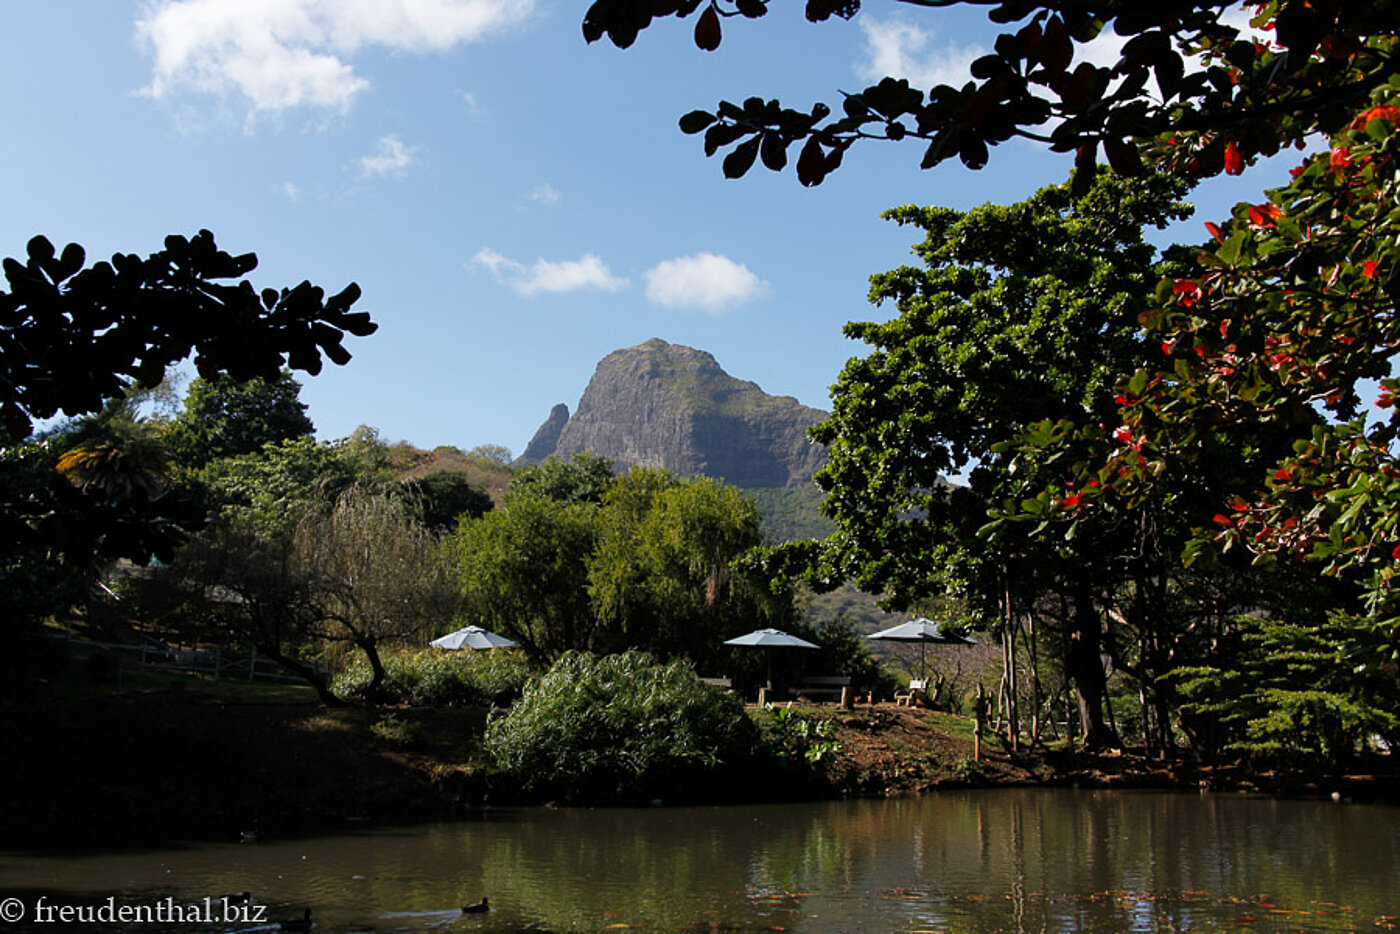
<point x="792" y="513"/>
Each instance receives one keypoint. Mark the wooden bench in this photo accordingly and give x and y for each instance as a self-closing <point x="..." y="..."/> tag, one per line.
<point x="823" y="686"/>
<point x="918" y="693"/>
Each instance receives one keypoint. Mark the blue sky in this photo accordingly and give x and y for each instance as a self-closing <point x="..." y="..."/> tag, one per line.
<point x="514" y="203"/>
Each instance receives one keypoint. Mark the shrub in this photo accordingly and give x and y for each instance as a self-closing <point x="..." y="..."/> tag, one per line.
<point x="435" y="678"/>
<point x="794" y="736"/>
<point x="1293" y="692"/>
<point x="619" y="728"/>
<point x="395" y="731"/>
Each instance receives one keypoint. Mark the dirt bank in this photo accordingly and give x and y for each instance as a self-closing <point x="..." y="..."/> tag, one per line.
<point x="160" y="766"/>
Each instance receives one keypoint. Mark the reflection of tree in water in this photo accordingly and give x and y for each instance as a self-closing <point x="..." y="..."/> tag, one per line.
<point x="1011" y="860"/>
<point x="1014" y="860"/>
<point x="592" y="868"/>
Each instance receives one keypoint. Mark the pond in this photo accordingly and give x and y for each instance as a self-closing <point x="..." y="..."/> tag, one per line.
<point x="1012" y="860"/>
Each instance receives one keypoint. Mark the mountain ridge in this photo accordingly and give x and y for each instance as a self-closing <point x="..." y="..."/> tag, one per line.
<point x="667" y="405"/>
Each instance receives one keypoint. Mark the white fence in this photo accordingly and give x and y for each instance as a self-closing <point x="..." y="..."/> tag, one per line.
<point x="215" y="662"/>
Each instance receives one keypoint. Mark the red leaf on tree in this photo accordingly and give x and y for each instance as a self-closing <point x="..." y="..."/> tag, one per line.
<point x="1262" y="215"/>
<point x="1234" y="160"/>
<point x="1368" y="268"/>
<point x="1383" y="112"/>
<point x="1188" y="291"/>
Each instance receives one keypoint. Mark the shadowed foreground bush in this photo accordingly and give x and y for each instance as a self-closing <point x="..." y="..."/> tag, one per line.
<point x="622" y="728"/>
<point x="437" y="678"/>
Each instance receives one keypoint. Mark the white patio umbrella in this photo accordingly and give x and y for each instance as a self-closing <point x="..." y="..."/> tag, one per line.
<point x="769" y="639"/>
<point x="472" y="637"/>
<point x="923" y="631"/>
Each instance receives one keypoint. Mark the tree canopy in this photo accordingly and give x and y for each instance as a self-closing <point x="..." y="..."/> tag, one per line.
<point x="1020" y="314"/>
<point x="77" y="340"/>
<point x="224" y="418"/>
<point x="72" y="338"/>
<point x="641" y="560"/>
<point x="1283" y="315"/>
<point x="1190" y="88"/>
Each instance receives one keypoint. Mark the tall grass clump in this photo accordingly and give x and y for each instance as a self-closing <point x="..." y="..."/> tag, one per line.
<point x="437" y="678"/>
<point x="621" y="728"/>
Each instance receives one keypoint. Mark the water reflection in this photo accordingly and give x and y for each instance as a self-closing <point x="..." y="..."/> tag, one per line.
<point x="1028" y="860"/>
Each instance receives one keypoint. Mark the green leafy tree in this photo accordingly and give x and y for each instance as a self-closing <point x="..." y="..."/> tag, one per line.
<point x="663" y="577"/>
<point x="1020" y="314"/>
<point x="223" y="418"/>
<point x="524" y="573"/>
<point x="1291" y="692"/>
<point x="269" y="489"/>
<point x="651" y="565"/>
<point x="445" y="496"/>
<point x="492" y="455"/>
<point x="582" y="478"/>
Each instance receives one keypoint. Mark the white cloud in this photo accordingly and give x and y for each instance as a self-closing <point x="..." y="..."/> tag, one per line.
<point x="546" y="195"/>
<point x="469" y="101"/>
<point x="284" y="54"/>
<point x="495" y="262"/>
<point x="900" y="49"/>
<point x="706" y="280"/>
<point x="587" y="273"/>
<point x="291" y="190"/>
<point x="390" y="157"/>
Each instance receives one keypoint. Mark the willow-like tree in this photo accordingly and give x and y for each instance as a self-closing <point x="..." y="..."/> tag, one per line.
<point x="663" y="576"/>
<point x="375" y="575"/>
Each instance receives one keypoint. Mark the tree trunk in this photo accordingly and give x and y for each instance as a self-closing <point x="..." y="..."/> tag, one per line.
<point x="1009" y="661"/>
<point x="1033" y="658"/>
<point x="307" y="673"/>
<point x="1084" y="666"/>
<point x="374" y="691"/>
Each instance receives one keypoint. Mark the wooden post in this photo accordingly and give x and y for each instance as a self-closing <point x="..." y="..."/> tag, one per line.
<point x="847" y="702"/>
<point x="1071" y="716"/>
<point x="979" y="707"/>
<point x="762" y="697"/>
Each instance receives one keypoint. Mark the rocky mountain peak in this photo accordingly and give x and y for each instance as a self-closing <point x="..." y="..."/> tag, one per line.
<point x="666" y="405"/>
